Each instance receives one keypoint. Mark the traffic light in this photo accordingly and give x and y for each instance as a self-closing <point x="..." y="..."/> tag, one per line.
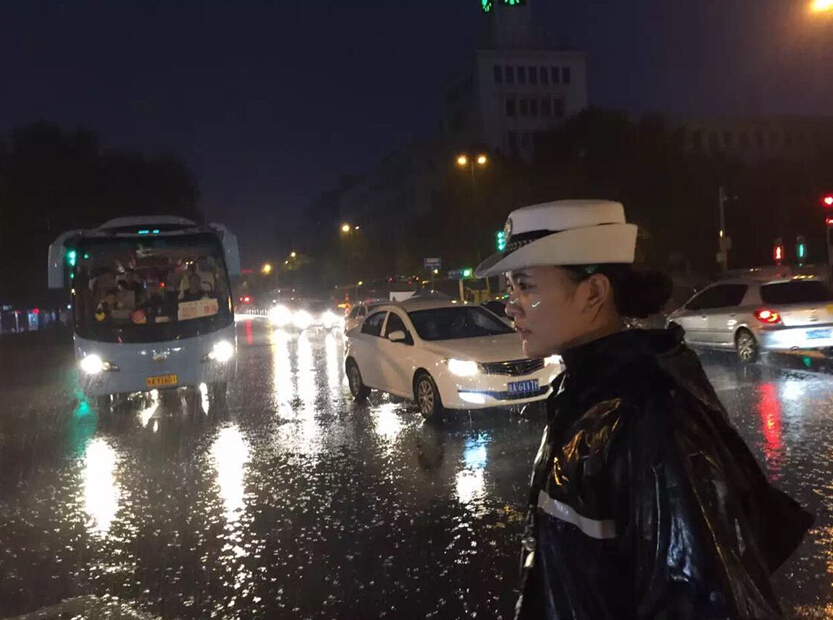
<point x="801" y="250"/>
<point x="72" y="256"/>
<point x="501" y="241"/>
<point x="467" y="273"/>
<point x="827" y="200"/>
<point x="778" y="251"/>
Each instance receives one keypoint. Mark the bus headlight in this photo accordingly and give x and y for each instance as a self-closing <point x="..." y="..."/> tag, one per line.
<point x="93" y="365"/>
<point x="222" y="352"/>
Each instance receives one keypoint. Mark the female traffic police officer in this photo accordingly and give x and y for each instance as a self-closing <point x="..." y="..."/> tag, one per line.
<point x="645" y="502"/>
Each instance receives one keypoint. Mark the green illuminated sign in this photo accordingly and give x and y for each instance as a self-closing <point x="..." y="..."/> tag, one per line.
<point x="514" y="2"/>
<point x="486" y="5"/>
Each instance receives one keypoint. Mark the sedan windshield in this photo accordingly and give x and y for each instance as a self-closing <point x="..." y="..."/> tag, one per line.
<point x="455" y="323"/>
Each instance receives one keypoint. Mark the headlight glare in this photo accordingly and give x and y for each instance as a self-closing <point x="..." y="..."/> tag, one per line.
<point x="280" y="316"/>
<point x="302" y="319"/>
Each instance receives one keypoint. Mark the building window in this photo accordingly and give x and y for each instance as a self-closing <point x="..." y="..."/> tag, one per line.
<point x="546" y="108"/>
<point x="566" y="75"/>
<point x="510" y="75"/>
<point x="498" y="74"/>
<point x="558" y="108"/>
<point x="512" y="140"/>
<point x="533" y="107"/>
<point x="521" y="75"/>
<point x="696" y="140"/>
<point x="555" y="75"/>
<point x="523" y="107"/>
<point x="533" y="75"/>
<point x="510" y="107"/>
<point x="727" y="138"/>
<point x="545" y="75"/>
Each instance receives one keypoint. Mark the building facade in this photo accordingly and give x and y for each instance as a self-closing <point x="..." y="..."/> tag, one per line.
<point x="516" y="86"/>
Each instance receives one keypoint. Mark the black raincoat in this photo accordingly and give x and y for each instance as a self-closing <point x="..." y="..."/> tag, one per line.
<point x="645" y="502"/>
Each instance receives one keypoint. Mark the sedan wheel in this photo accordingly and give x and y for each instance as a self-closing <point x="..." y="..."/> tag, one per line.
<point x="358" y="389"/>
<point x="747" y="347"/>
<point x="428" y="397"/>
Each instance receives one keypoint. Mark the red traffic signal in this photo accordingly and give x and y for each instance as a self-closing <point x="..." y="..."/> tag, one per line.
<point x="778" y="251"/>
<point x="827" y="200"/>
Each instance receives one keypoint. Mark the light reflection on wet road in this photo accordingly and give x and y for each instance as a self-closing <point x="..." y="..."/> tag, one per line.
<point x="294" y="502"/>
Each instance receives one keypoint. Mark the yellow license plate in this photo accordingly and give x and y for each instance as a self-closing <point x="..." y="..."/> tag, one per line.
<point x="165" y="381"/>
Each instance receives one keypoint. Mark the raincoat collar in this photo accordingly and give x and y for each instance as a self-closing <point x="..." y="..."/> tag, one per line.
<point x="590" y="362"/>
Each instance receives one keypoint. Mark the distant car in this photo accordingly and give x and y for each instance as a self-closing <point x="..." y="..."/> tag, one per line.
<point x="359" y="312"/>
<point x="751" y="315"/>
<point x="306" y="314"/>
<point x="444" y="356"/>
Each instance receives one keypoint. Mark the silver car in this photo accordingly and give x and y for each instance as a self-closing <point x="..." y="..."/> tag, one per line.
<point x="754" y="315"/>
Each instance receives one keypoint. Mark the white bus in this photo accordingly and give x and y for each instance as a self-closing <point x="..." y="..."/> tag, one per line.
<point x="152" y="305"/>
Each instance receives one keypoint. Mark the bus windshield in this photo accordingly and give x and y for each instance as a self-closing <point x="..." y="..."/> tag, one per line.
<point x="153" y="289"/>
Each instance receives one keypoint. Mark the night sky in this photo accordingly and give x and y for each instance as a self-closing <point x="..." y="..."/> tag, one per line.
<point x="271" y="102"/>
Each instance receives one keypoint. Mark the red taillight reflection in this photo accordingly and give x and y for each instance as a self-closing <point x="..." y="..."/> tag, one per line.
<point x="768" y="316"/>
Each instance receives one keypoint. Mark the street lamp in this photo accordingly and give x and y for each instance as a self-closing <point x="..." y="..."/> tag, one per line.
<point x="266" y="269"/>
<point x="345" y="228"/>
<point x="293" y="255"/>
<point x="480" y="160"/>
<point x="821" y="6"/>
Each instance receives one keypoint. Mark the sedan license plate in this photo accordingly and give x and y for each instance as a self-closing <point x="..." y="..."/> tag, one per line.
<point x="817" y="334"/>
<point x="164" y="381"/>
<point x="517" y="388"/>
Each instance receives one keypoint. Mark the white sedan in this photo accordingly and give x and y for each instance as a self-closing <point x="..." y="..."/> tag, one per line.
<point x="444" y="356"/>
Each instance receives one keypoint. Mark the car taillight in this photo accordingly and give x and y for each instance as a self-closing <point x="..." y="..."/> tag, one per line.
<point x="770" y="317"/>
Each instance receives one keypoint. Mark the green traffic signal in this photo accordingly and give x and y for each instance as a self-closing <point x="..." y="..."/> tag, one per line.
<point x="72" y="256"/>
<point x="501" y="241"/>
<point x="466" y="273"/>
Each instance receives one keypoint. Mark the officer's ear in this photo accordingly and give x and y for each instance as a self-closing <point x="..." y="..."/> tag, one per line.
<point x="599" y="292"/>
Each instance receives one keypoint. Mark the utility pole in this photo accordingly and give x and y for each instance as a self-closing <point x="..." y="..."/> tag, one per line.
<point x="724" y="242"/>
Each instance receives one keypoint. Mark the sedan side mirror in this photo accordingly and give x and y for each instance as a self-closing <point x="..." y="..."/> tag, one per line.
<point x="397" y="336"/>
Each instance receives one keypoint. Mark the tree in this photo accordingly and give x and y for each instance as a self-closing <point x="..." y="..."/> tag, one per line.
<point x="52" y="181"/>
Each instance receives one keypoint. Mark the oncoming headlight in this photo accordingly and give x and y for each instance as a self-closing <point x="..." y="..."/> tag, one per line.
<point x="330" y="319"/>
<point x="302" y="319"/>
<point x="222" y="352"/>
<point x="462" y="368"/>
<point x="280" y="316"/>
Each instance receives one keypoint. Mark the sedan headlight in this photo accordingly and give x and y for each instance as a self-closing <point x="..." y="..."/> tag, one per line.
<point x="222" y="352"/>
<point x="280" y="316"/>
<point x="93" y="365"/>
<point x="302" y="319"/>
<point x="552" y="360"/>
<point x="462" y="368"/>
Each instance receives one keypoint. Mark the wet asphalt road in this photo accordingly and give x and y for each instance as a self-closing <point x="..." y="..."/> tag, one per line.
<point x="294" y="502"/>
